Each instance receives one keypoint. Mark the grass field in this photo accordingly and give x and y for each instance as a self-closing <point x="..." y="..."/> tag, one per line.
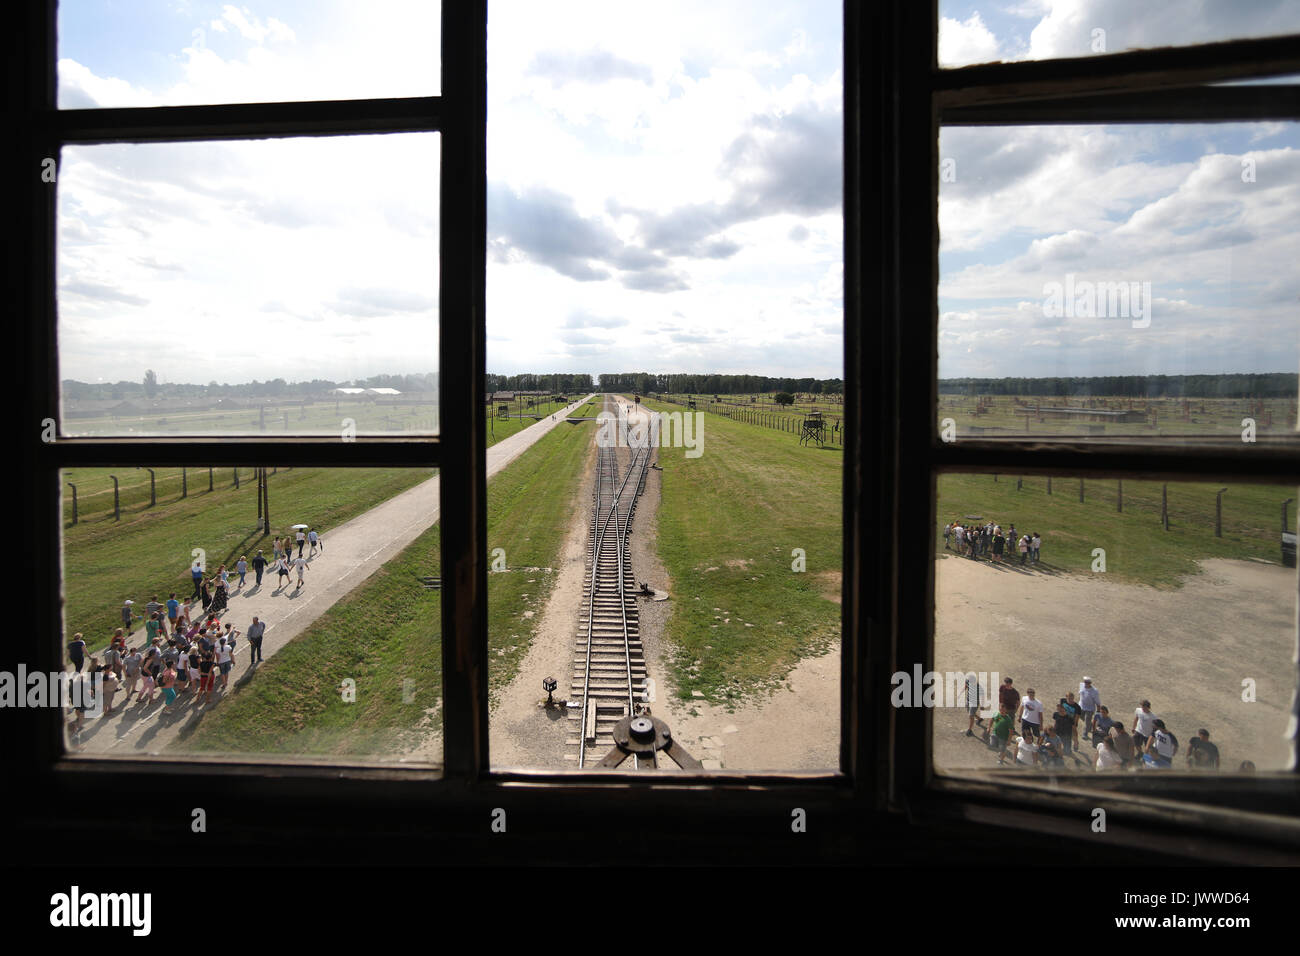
<point x="1019" y="415"/>
<point x="1137" y="548"/>
<point x="149" y="550"/>
<point x="273" y="416"/>
<point x="293" y="704"/>
<point x="728" y="523"/>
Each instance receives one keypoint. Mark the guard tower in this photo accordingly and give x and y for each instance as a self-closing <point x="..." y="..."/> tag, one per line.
<point x="814" y="428"/>
<point x="503" y="410"/>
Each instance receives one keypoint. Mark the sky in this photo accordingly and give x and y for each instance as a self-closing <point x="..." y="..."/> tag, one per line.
<point x="664" y="194"/>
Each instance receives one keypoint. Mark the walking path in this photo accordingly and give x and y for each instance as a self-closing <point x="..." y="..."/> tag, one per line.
<point x="352" y="553"/>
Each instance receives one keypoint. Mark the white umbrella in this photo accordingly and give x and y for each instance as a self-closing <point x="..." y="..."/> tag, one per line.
<point x="295" y="527"/>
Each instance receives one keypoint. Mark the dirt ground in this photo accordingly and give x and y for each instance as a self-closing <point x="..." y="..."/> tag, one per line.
<point x="1187" y="651"/>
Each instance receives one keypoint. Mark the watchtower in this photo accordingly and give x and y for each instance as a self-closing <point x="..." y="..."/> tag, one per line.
<point x="814" y="428"/>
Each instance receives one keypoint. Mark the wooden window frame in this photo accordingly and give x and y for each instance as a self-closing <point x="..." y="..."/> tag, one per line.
<point x="885" y="794"/>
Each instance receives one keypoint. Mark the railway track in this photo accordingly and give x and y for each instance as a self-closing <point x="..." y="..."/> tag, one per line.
<point x="609" y="673"/>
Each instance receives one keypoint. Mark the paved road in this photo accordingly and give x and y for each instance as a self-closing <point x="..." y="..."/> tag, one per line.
<point x="351" y="554"/>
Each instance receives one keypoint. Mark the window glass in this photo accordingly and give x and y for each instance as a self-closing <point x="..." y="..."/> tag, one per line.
<point x="348" y="666"/>
<point x="160" y="53"/>
<point x="1117" y="282"/>
<point x="665" y="243"/>
<point x="269" y="287"/>
<point x="973" y="32"/>
<point x="1180" y="594"/>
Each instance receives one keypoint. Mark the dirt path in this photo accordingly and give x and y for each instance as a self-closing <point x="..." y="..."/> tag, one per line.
<point x="1187" y="651"/>
<point x="353" y="551"/>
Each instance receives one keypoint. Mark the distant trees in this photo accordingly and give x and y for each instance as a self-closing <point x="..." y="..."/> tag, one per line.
<point x="783" y="398"/>
<point x="150" y="383"/>
<point x="1231" y="385"/>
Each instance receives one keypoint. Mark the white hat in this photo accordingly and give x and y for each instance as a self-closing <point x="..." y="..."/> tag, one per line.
<point x="1087" y="680"/>
<point x="128" y="601"/>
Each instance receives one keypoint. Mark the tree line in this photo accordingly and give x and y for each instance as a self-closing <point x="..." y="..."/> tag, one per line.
<point x="690" y="384"/>
<point x="557" y="382"/>
<point x="1230" y="385"/>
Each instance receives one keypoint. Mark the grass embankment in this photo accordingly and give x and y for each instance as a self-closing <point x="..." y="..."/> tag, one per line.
<point x="149" y="551"/>
<point x="728" y="522"/>
<point x="387" y="630"/>
<point x="500" y="428"/>
<point x="1136" y="546"/>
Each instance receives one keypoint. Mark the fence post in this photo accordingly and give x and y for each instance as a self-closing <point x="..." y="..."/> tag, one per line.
<point x="1218" y="512"/>
<point x="209" y="479"/>
<point x="117" y="504"/>
<point x="1119" y="502"/>
<point x="74" y="506"/>
<point x="1049" y="484"/>
<point x="1019" y="480"/>
<point x="236" y="479"/>
<point x="184" y="483"/>
<point x="1080" y="491"/>
<point x="1164" y="506"/>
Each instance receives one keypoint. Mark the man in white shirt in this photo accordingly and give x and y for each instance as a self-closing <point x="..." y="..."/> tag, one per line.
<point x="301" y="564"/>
<point x="1089" y="702"/>
<point x="1143" y="723"/>
<point x="1026" y="751"/>
<point x="1030" y="713"/>
<point x="1164" y="746"/>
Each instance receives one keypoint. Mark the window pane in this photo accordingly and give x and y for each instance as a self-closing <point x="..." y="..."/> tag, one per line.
<point x="1105" y="281"/>
<point x="972" y="32"/>
<point x="665" y="236"/>
<point x="156" y="53"/>
<point x="1183" y="595"/>
<point x="350" y="660"/>
<point x="268" y="287"/>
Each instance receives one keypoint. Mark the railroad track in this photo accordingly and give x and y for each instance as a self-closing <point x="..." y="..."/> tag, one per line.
<point x="609" y="674"/>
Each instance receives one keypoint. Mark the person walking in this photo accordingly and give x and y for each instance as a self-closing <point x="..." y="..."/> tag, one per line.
<point x="281" y="572"/>
<point x="132" y="665"/>
<point x="173" y="611"/>
<point x="196" y="573"/>
<point x="973" y="694"/>
<point x="108" y="688"/>
<point x="113" y="660"/>
<point x="301" y="564"/>
<point x="1031" y="715"/>
<point x="1024" y="549"/>
<point x="255" y="632"/>
<point x="77" y="652"/>
<point x="259" y="565"/>
<point x="127" y="616"/>
<point x="314" y="539"/>
<point x="1089" y="704"/>
<point x="225" y="661"/>
<point x="241" y="566"/>
<point x="301" y="538"/>
<point x="205" y="594"/>
<point x="206" y="676"/>
<point x="1035" y="543"/>
<point x="1143" y="725"/>
<point x="168" y="683"/>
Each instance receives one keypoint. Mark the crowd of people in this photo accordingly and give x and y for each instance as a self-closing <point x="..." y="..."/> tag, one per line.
<point x="1024" y="732"/>
<point x="977" y="541"/>
<point x="186" y="650"/>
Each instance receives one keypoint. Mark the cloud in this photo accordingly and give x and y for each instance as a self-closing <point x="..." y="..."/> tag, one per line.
<point x="597" y="66"/>
<point x="964" y="42"/>
<point x="100" y="291"/>
<point x="367" y="303"/>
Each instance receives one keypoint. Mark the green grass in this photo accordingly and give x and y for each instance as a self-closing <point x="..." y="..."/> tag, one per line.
<point x="381" y="635"/>
<point x="386" y="630"/>
<point x="530" y="507"/>
<point x="728" y="522"/>
<point x="148" y="551"/>
<point x="1137" y="548"/>
<point x="500" y="428"/>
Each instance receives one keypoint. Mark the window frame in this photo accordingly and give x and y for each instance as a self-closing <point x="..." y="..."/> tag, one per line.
<point x="894" y="99"/>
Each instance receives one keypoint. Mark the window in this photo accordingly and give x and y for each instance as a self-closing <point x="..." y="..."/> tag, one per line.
<point x="896" y="99"/>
